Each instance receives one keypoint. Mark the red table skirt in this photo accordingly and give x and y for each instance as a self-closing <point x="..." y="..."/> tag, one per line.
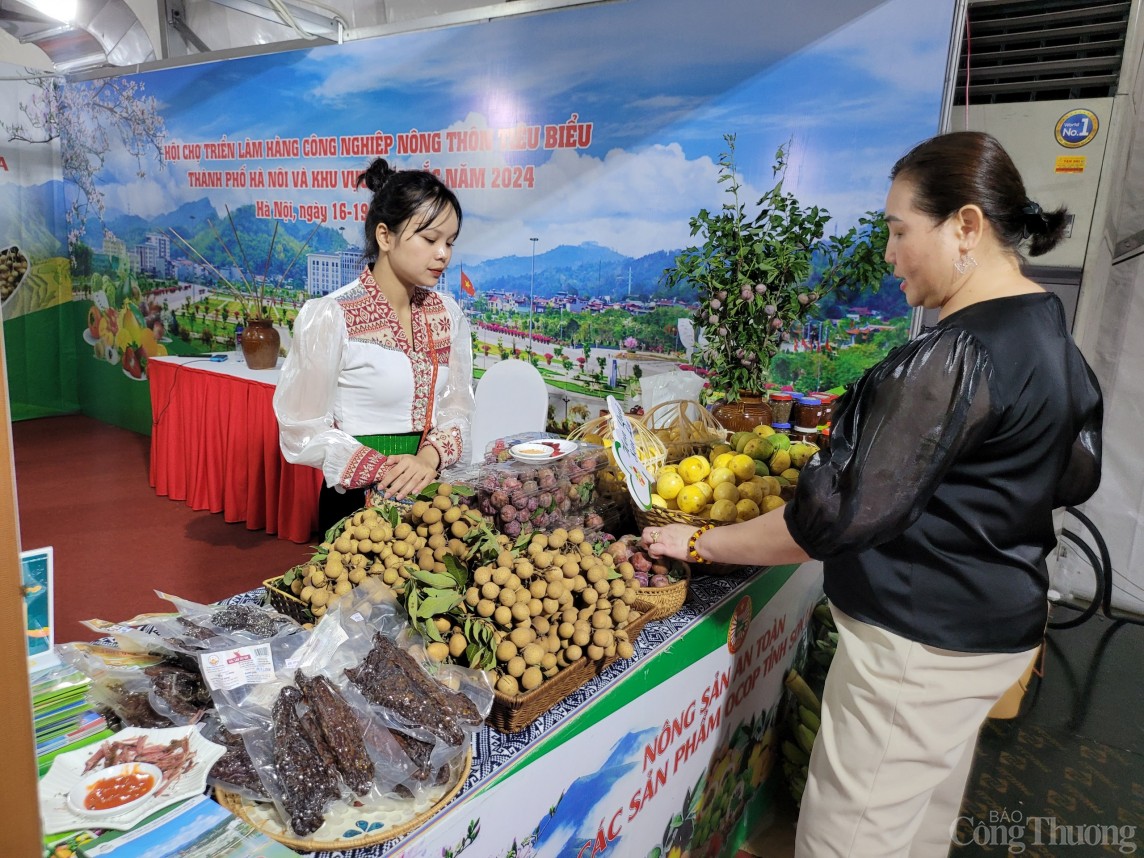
<point x="214" y="444"/>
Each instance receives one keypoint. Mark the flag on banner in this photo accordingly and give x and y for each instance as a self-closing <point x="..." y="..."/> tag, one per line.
<point x="467" y="285"/>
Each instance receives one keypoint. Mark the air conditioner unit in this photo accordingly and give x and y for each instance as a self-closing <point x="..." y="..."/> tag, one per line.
<point x="1040" y="76"/>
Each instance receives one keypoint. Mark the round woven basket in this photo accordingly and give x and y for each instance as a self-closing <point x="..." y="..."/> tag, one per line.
<point x="368" y="825"/>
<point x="665" y="601"/>
<point x="685" y="427"/>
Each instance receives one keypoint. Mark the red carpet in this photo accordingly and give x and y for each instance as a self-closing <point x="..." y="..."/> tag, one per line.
<point x="83" y="489"/>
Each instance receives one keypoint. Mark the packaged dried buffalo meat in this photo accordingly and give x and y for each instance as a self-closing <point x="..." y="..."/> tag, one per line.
<point x="433" y="708"/>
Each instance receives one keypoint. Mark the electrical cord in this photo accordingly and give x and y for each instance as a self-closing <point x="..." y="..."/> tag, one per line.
<point x="175" y="380"/>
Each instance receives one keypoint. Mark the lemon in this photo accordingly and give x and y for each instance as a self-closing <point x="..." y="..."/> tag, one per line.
<point x="668" y="484"/>
<point x="690" y="499"/>
<point x="694" y="468"/>
<point x="723" y="510"/>
<point x="656" y="500"/>
<point x="671" y="468"/>
<point x="764" y="430"/>
<point x="707" y="491"/>
<point x="721" y="448"/>
<point x="772" y="502"/>
<point x="747" y="509"/>
<point x="742" y="466"/>
<point x="720" y="475"/>
<point x="779" y="441"/>
<point x="791" y="474"/>
<point x="723" y="460"/>
<point x="726" y="491"/>
<point x="780" y="461"/>
<point x="761" y="469"/>
<point x="751" y="490"/>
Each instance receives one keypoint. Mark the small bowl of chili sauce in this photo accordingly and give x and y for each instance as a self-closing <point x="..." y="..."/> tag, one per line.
<point x="115" y="789"/>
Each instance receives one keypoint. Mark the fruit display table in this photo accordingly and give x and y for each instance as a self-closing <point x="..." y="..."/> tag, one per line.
<point x="214" y="444"/>
<point x="674" y="748"/>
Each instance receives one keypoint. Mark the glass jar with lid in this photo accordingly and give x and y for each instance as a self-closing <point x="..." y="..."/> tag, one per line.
<point x="781" y="404"/>
<point x="806" y="434"/>
<point x="808" y="411"/>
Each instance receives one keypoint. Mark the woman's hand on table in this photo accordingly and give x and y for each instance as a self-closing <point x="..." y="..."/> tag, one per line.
<point x="408" y="474"/>
<point x="668" y="540"/>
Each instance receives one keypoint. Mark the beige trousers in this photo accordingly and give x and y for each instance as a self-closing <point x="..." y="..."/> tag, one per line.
<point x="893" y="753"/>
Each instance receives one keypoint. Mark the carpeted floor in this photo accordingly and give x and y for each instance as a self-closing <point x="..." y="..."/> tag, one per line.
<point x="83" y="489"/>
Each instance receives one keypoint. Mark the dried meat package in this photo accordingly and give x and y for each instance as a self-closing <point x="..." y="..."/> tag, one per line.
<point x="312" y="738"/>
<point x="432" y="708"/>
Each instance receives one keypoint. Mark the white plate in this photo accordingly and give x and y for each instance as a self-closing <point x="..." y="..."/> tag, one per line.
<point x="77" y="798"/>
<point x="88" y="338"/>
<point x="548" y="450"/>
<point x="67" y="770"/>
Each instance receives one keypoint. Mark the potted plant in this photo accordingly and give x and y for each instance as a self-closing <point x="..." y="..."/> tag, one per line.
<point x="754" y="275"/>
<point x="260" y="340"/>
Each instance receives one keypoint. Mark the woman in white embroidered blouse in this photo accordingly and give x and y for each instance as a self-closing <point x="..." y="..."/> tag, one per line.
<point x="376" y="390"/>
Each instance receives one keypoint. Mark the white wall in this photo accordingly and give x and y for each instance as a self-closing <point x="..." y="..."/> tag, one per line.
<point x="1110" y="330"/>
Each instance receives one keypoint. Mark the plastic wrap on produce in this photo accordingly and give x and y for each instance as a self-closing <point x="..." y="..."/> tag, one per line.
<point x="523" y="497"/>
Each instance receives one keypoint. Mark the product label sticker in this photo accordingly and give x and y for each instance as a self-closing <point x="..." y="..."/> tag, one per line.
<point x="233" y="668"/>
<point x="1070" y="164"/>
<point x="628" y="457"/>
<point x="1076" y="128"/>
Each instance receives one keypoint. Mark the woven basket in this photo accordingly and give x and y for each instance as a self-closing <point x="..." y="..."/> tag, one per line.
<point x="264" y="817"/>
<point x="512" y="713"/>
<point x="667" y="600"/>
<point x="685" y="427"/>
<point x="285" y="602"/>
<point x="612" y="484"/>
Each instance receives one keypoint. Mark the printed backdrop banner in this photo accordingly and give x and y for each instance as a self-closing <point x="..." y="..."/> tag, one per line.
<point x="579" y="141"/>
<point x="35" y="277"/>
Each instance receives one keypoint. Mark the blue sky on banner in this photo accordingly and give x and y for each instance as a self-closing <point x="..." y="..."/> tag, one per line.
<point x="850" y="86"/>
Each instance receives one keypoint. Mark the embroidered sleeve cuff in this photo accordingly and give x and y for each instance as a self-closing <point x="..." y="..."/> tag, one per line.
<point x="447" y="443"/>
<point x="364" y="469"/>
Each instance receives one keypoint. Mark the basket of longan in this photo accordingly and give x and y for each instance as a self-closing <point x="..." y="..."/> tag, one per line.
<point x="393" y="542"/>
<point x="561" y="612"/>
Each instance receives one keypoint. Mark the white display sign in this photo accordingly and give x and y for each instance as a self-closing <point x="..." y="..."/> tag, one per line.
<point x="627" y="456"/>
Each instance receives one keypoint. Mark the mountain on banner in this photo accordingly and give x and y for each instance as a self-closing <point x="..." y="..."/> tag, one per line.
<point x="467" y="285"/>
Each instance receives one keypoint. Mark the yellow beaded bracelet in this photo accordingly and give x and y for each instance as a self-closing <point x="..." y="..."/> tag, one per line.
<point x="692" y="553"/>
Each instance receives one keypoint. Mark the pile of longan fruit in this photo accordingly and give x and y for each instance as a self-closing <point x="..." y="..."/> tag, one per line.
<point x="555" y="603"/>
<point x="370" y="545"/>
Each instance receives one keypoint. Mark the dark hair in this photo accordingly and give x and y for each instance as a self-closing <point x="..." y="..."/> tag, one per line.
<point x="971" y="168"/>
<point x="397" y="196"/>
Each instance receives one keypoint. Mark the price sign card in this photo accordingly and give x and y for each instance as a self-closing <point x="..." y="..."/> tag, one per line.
<point x="627" y="456"/>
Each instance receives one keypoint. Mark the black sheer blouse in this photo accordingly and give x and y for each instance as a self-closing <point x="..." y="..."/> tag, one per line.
<point x="932" y="508"/>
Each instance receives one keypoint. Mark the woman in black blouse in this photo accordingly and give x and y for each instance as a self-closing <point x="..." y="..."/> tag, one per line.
<point x="932" y="508"/>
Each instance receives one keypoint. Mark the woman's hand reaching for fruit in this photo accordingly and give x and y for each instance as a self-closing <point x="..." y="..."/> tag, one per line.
<point x="668" y="540"/>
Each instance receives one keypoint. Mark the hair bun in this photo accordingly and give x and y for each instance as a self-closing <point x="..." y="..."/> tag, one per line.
<point x="376" y="175"/>
<point x="1035" y="220"/>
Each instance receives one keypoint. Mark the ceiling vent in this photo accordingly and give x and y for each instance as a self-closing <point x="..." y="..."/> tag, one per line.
<point x="1041" y="50"/>
<point x="102" y="32"/>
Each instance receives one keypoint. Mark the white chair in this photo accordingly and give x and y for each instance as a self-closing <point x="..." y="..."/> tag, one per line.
<point x="511" y="398"/>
